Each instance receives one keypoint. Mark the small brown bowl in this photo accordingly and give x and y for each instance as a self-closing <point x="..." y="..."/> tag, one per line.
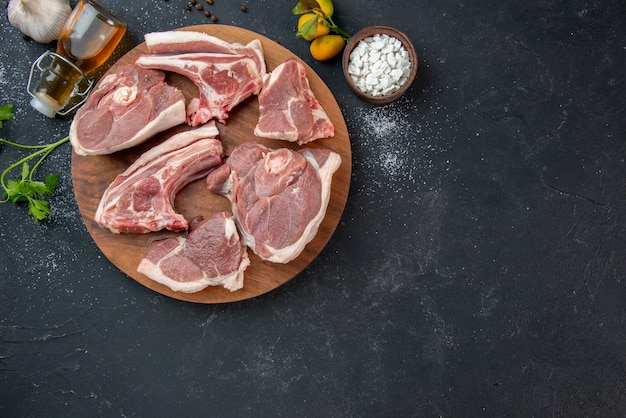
<point x="380" y="30"/>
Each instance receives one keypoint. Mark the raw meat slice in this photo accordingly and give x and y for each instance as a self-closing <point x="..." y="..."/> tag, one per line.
<point x="211" y="255"/>
<point x="181" y="42"/>
<point x="141" y="199"/>
<point x="223" y="81"/>
<point x="126" y="108"/>
<point x="288" y="109"/>
<point x="225" y="74"/>
<point x="278" y="197"/>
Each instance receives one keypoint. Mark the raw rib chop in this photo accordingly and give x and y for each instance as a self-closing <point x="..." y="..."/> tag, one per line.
<point x="225" y="74"/>
<point x="278" y="197"/>
<point x="141" y="199"/>
<point x="126" y="108"/>
<point x="180" y="42"/>
<point x="211" y="255"/>
<point x="288" y="109"/>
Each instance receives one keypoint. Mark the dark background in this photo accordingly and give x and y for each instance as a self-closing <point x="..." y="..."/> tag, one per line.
<point x="478" y="269"/>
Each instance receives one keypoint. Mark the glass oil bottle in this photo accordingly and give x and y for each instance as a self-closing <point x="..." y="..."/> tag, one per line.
<point x="89" y="37"/>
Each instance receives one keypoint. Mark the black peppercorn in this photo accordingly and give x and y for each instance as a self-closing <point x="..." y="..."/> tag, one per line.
<point x="244" y="8"/>
<point x="214" y="18"/>
<point x="198" y="6"/>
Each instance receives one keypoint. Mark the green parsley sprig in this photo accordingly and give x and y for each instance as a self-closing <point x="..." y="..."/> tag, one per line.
<point x="25" y="188"/>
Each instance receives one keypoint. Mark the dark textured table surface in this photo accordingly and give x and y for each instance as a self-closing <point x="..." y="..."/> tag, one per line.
<point x="478" y="270"/>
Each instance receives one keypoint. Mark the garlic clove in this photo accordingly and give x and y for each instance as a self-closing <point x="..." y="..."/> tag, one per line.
<point x="40" y="20"/>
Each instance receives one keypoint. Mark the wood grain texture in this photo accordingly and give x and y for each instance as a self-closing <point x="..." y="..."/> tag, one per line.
<point x="92" y="175"/>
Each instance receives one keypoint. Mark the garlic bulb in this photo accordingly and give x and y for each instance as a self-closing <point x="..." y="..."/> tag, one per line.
<point x="40" y="20"/>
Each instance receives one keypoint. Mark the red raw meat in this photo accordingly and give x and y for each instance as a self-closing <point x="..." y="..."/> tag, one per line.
<point x="126" y="108"/>
<point x="182" y="42"/>
<point x="226" y="74"/>
<point x="288" y="109"/>
<point x="278" y="197"/>
<point x="141" y="199"/>
<point x="211" y="255"/>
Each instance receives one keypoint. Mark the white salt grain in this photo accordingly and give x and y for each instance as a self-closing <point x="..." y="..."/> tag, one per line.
<point x="379" y="65"/>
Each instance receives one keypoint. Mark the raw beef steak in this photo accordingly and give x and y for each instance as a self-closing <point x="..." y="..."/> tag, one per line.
<point x="211" y="255"/>
<point x="226" y="74"/>
<point x="288" y="109"/>
<point x="278" y="197"/>
<point x="141" y="199"/>
<point x="126" y="108"/>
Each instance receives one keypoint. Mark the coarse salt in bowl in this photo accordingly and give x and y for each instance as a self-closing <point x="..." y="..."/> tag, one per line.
<point x="379" y="64"/>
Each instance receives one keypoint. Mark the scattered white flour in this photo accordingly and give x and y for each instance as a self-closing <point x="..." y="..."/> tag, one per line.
<point x="3" y="78"/>
<point x="391" y="144"/>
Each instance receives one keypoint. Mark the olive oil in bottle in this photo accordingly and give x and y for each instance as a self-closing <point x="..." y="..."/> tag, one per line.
<point x="89" y="37"/>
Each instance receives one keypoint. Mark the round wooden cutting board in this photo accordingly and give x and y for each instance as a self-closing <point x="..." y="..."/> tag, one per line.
<point x="91" y="176"/>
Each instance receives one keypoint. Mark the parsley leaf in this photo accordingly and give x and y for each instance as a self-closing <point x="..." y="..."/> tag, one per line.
<point x="25" y="188"/>
<point x="6" y="113"/>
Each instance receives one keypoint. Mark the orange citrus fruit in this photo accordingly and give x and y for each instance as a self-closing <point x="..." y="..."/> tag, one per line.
<point x="307" y="28"/>
<point x="327" y="46"/>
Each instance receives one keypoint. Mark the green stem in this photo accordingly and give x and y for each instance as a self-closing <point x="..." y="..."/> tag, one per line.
<point x="16" y="144"/>
<point x="337" y="29"/>
<point x="42" y="149"/>
<point x="49" y="149"/>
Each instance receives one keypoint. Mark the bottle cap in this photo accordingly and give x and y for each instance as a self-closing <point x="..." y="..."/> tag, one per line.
<point x="45" y="106"/>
